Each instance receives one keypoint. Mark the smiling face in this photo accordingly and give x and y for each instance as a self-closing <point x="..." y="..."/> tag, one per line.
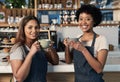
<point x="31" y="30"/>
<point x="86" y="22"/>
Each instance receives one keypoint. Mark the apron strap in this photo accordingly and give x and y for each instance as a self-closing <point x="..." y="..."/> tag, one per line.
<point x="25" y="49"/>
<point x="94" y="38"/>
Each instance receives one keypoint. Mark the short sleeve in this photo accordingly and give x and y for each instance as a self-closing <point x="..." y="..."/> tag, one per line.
<point x="18" y="53"/>
<point x="102" y="43"/>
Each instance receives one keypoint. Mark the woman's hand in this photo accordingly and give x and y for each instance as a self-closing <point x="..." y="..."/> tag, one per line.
<point x="35" y="47"/>
<point x="76" y="45"/>
<point x="51" y="44"/>
<point x="66" y="42"/>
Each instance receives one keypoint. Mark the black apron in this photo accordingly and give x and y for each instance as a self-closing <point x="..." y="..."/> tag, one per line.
<point x="38" y="68"/>
<point x="83" y="71"/>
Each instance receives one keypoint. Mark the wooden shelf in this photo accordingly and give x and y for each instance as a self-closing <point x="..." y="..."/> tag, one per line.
<point x="62" y="25"/>
<point x="44" y="24"/>
<point x="7" y="25"/>
<point x="35" y="10"/>
<point x="110" y="8"/>
<point x="54" y="9"/>
<point x="109" y="24"/>
<point x="47" y="30"/>
<point x="2" y="46"/>
<point x="69" y="25"/>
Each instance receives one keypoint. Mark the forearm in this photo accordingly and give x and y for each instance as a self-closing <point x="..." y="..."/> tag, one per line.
<point x="52" y="56"/>
<point x="23" y="71"/>
<point x="93" y="62"/>
<point x="68" y="57"/>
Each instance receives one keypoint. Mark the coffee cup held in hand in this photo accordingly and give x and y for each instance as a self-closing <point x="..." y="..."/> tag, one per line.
<point x="44" y="43"/>
<point x="72" y="39"/>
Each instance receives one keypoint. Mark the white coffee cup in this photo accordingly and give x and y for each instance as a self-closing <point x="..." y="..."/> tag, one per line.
<point x="72" y="39"/>
<point x="44" y="43"/>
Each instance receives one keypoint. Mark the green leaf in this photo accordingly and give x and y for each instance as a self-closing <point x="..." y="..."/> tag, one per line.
<point x="11" y="79"/>
<point x="16" y="3"/>
<point x="1" y="16"/>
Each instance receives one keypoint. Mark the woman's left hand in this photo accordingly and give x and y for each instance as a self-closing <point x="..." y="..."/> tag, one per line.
<point x="77" y="45"/>
<point x="50" y="46"/>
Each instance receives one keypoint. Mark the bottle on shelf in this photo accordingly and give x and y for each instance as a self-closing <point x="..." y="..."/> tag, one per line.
<point x="50" y="4"/>
<point x="10" y="18"/>
<point x="61" y="17"/>
<point x="72" y="16"/>
<point x="55" y="4"/>
<point x="46" y="4"/>
<point x="16" y="16"/>
<point x="65" y="17"/>
<point x="43" y="4"/>
<point x="60" y="4"/>
<point x="21" y="15"/>
<point x="39" y="4"/>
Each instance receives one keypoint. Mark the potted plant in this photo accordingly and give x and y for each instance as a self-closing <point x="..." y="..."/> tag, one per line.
<point x="15" y="3"/>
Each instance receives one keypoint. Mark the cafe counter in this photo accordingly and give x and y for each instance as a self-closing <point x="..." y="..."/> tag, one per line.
<point x="111" y="65"/>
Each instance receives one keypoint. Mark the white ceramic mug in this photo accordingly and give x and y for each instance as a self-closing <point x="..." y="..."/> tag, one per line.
<point x="44" y="43"/>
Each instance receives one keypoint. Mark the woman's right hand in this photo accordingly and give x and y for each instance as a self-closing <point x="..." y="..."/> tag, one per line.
<point x="35" y="47"/>
<point x="66" y="42"/>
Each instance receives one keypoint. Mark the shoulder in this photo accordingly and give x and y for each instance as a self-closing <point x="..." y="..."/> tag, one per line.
<point x="101" y="38"/>
<point x="101" y="42"/>
<point x="16" y="47"/>
<point x="17" y="52"/>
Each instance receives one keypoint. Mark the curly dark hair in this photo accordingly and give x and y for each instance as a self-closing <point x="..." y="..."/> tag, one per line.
<point x="93" y="11"/>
